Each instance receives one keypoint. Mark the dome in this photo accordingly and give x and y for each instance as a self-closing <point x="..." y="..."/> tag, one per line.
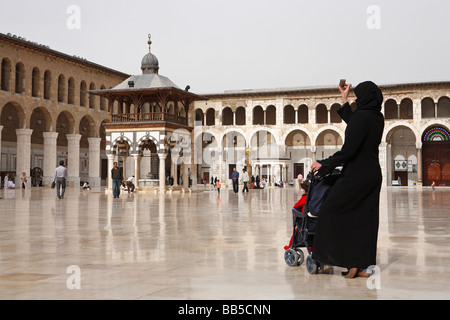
<point x="149" y="63"/>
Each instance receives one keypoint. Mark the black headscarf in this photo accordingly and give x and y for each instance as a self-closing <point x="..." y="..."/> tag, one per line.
<point x="369" y="96"/>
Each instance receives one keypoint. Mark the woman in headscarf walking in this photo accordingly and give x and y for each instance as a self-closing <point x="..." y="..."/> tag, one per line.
<point x="347" y="228"/>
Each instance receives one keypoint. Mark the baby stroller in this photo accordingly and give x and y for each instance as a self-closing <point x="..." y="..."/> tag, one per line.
<point x="304" y="223"/>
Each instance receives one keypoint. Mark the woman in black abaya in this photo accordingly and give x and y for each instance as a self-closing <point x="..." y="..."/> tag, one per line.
<point x="347" y="228"/>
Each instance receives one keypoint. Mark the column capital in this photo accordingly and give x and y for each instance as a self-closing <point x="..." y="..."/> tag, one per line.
<point x="73" y="137"/>
<point x="50" y="135"/>
<point x="24" y="132"/>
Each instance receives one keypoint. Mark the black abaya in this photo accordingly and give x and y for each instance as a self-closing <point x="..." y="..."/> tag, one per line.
<point x="347" y="227"/>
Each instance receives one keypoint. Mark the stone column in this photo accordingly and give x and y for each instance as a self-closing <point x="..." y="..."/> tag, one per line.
<point x="419" y="167"/>
<point x="137" y="169"/>
<point x="111" y="157"/>
<point x="23" y="161"/>
<point x="50" y="144"/>
<point x="73" y="165"/>
<point x="186" y="175"/>
<point x="175" y="170"/>
<point x="94" y="162"/>
<point x="162" y="171"/>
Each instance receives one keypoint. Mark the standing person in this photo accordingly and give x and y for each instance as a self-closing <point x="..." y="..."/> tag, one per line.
<point x="245" y="180"/>
<point x="235" y="177"/>
<point x="5" y="181"/>
<point x="60" y="179"/>
<point x="433" y="184"/>
<point x="117" y="178"/>
<point x="23" y="180"/>
<point x="347" y="228"/>
<point x="218" y="187"/>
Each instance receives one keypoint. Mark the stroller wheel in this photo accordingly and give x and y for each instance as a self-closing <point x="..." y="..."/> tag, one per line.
<point x="312" y="265"/>
<point x="293" y="258"/>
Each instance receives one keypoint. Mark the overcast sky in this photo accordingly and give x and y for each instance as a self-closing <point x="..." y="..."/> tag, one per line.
<point x="248" y="44"/>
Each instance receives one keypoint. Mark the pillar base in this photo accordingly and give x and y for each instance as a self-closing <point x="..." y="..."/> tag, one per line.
<point x="94" y="182"/>
<point x="73" y="182"/>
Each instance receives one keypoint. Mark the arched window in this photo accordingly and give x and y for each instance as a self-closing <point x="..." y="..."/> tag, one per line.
<point x="83" y="94"/>
<point x="35" y="82"/>
<point x="47" y="84"/>
<point x="102" y="100"/>
<point x="406" y="109"/>
<point x="240" y="116"/>
<point x="390" y="110"/>
<point x="303" y="116"/>
<point x="289" y="115"/>
<point x="91" y="96"/>
<point x="258" y="115"/>
<point x="443" y="107"/>
<point x="227" y="116"/>
<point x="427" y="108"/>
<point x="271" y="115"/>
<point x="6" y="75"/>
<point x="334" y="115"/>
<point x="71" y="91"/>
<point x="61" y="88"/>
<point x="210" y="117"/>
<point x="199" y="117"/>
<point x="20" y="78"/>
<point x="321" y="114"/>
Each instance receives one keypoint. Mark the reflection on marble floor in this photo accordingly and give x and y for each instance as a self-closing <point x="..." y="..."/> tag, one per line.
<point x="199" y="246"/>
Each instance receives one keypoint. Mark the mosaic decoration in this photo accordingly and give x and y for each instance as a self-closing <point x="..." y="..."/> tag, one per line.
<point x="436" y="134"/>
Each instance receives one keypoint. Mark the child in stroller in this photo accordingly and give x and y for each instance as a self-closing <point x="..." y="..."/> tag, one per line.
<point x="304" y="215"/>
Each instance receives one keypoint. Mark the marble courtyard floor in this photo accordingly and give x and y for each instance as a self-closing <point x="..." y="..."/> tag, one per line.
<point x="199" y="246"/>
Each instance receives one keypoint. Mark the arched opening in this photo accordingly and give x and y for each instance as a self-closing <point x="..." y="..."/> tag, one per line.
<point x="199" y="117"/>
<point x="12" y="118"/>
<point x="271" y="115"/>
<point x="427" y="108"/>
<point x="71" y="91"/>
<point x="390" y="110"/>
<point x="91" y="96"/>
<point x="258" y="115"/>
<point x="402" y="160"/>
<point x="240" y="116"/>
<point x="47" y="85"/>
<point x="83" y="94"/>
<point x="35" y="82"/>
<point x="64" y="125"/>
<point x="436" y="156"/>
<point x="303" y="116"/>
<point x="288" y="115"/>
<point x="61" y="88"/>
<point x="86" y="130"/>
<point x="102" y="100"/>
<point x="20" y="78"/>
<point x="210" y="117"/>
<point x="6" y="75"/>
<point x="328" y="142"/>
<point x="406" y="109"/>
<point x="40" y="122"/>
<point x="298" y="149"/>
<point x="321" y="114"/>
<point x="227" y="116"/>
<point x="443" y="107"/>
<point x="334" y="115"/>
